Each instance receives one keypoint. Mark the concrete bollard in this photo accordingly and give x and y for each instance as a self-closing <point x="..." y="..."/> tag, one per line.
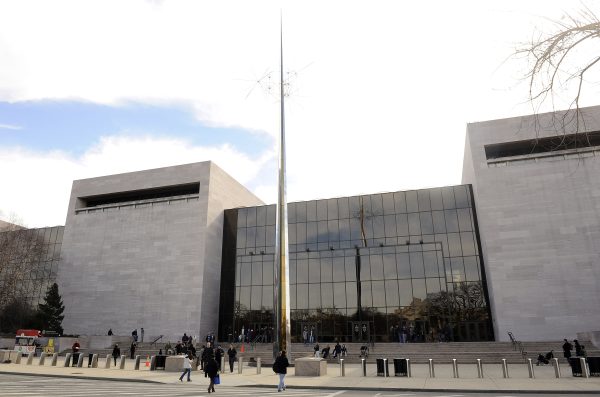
<point x="153" y="363"/>
<point x="386" y="370"/>
<point x="585" y="373"/>
<point x="30" y="358"/>
<point x="138" y="358"/>
<point x="122" y="362"/>
<point x="258" y="365"/>
<point x="556" y="367"/>
<point x="94" y="360"/>
<point x="42" y="359"/>
<point x="455" y="368"/>
<point x="107" y="363"/>
<point x="505" y="369"/>
<point x="18" y="359"/>
<point x="240" y="365"/>
<point x="479" y="369"/>
<point x="408" y="369"/>
<point x="222" y="363"/>
<point x="54" y="359"/>
<point x="530" y="369"/>
<point x="80" y="361"/>
<point x="68" y="360"/>
<point x="363" y="366"/>
<point x="431" y="368"/>
<point x="342" y="367"/>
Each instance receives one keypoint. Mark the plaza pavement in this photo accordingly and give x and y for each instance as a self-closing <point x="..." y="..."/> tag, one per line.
<point x="519" y="381"/>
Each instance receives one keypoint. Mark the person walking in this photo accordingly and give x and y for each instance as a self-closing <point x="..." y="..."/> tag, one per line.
<point x="187" y="368"/>
<point x="132" y="350"/>
<point x="280" y="367"/>
<point x="567" y="347"/>
<point x="218" y="356"/>
<point x="116" y="353"/>
<point x="231" y="353"/>
<point x="211" y="370"/>
<point x="577" y="348"/>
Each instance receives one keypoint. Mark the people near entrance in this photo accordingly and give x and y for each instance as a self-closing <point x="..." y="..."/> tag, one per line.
<point x="280" y="367"/>
<point x="178" y="348"/>
<point x="567" y="347"/>
<point x="187" y="368"/>
<point x="134" y="334"/>
<point x="211" y="370"/>
<point x="110" y="333"/>
<point x="76" y="346"/>
<point x="207" y="354"/>
<point x="168" y="348"/>
<point x="184" y="339"/>
<point x="116" y="353"/>
<point x="305" y="335"/>
<point x="311" y="335"/>
<point x="132" y="350"/>
<point x="577" y="348"/>
<point x="344" y="351"/>
<point x="231" y="353"/>
<point x="218" y="356"/>
<point x="325" y="352"/>
<point x="337" y="350"/>
<point x="316" y="349"/>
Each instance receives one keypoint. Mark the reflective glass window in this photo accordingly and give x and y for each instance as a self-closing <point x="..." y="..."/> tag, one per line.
<point x="292" y="271"/>
<point x="389" y="266"/>
<point x="267" y="297"/>
<point x="378" y="293"/>
<point x="344" y="230"/>
<point x="245" y="272"/>
<point x="302" y="296"/>
<point x="376" y="204"/>
<point x="301" y="233"/>
<point x="439" y="221"/>
<point x="378" y="227"/>
<point x="327" y="295"/>
<point x="244" y="298"/>
<point x="251" y="217"/>
<point x="423" y="198"/>
<point x="403" y="265"/>
<point x="251" y="237"/>
<point x="339" y="294"/>
<point x="321" y="210"/>
<point x="448" y="197"/>
<point x="261" y="216"/>
<point x="468" y="243"/>
<point x="405" y="290"/>
<point x="270" y="238"/>
<point x="326" y="270"/>
<point x="271" y="214"/>
<point x="257" y="271"/>
<point x="322" y="233"/>
<point x="314" y="296"/>
<point x="350" y="268"/>
<point x="311" y="232"/>
<point x="311" y="211"/>
<point x="301" y="212"/>
<point x="426" y="223"/>
<point x="414" y="224"/>
<point x="458" y="270"/>
<point x="400" y="202"/>
<point x="454" y="245"/>
<point x="435" y="196"/>
<point x="242" y="213"/>
<point x="338" y="269"/>
<point x="366" y="297"/>
<point x="412" y="203"/>
<point x="302" y="270"/>
<point x="256" y="298"/>
<point x="260" y="236"/>
<point x="433" y="285"/>
<point x="332" y="209"/>
<point x="314" y="271"/>
<point x="419" y="290"/>
<point x="416" y="264"/>
<point x="365" y="267"/>
<point x="241" y="237"/>
<point x="351" y="295"/>
<point x="390" y="225"/>
<point x="451" y="221"/>
<point x="376" y="262"/>
<point x="464" y="219"/>
<point x="460" y="194"/>
<point x="388" y="203"/>
<point x="431" y="266"/>
<point x="343" y="208"/>
<point x="293" y="297"/>
<point x="355" y="230"/>
<point x="471" y="268"/>
<point x="391" y="293"/>
<point x="402" y="224"/>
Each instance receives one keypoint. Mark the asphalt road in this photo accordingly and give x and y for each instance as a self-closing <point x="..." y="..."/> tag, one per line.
<point x="33" y="386"/>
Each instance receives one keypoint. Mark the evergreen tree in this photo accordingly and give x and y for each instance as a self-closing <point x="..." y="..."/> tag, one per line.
<point x="50" y="312"/>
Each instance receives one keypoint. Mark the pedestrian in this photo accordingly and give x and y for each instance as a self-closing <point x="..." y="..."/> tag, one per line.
<point x="142" y="332"/>
<point x="344" y="350"/>
<point x="231" y="353"/>
<point x="187" y="368"/>
<point x="110" y="332"/>
<point x="211" y="371"/>
<point x="218" y="355"/>
<point x="567" y="347"/>
<point x="134" y="335"/>
<point x="207" y="354"/>
<point x="280" y="367"/>
<point x="116" y="353"/>
<point x="577" y="348"/>
<point x="337" y="350"/>
<point x="132" y="350"/>
<point x="316" y="349"/>
<point x="305" y="335"/>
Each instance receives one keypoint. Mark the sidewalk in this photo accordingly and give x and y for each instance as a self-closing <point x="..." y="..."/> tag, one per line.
<point x="545" y="382"/>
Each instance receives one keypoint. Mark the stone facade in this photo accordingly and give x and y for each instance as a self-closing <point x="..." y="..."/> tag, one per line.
<point x="152" y="263"/>
<point x="539" y="221"/>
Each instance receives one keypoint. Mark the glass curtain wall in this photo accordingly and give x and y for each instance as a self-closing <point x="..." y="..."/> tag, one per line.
<point x="402" y="266"/>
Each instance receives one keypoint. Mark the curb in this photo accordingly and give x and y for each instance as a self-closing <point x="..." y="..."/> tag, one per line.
<point x="82" y="377"/>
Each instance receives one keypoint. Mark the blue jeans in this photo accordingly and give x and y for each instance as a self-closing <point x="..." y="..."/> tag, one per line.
<point x="188" y="371"/>
<point x="281" y="385"/>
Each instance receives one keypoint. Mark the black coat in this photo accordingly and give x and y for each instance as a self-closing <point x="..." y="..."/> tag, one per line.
<point x="280" y="365"/>
<point x="232" y="353"/>
<point x="211" y="368"/>
<point x="116" y="352"/>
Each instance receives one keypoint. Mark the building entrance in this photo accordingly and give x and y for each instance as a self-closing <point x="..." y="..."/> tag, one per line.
<point x="308" y="332"/>
<point x="360" y="331"/>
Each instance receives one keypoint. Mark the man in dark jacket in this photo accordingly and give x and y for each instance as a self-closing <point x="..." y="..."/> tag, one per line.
<point x="567" y="347"/>
<point x="211" y="370"/>
<point x="280" y="367"/>
<point x="207" y="354"/>
<point x="132" y="350"/>
<point x="116" y="353"/>
<point x="231" y="353"/>
<point x="218" y="356"/>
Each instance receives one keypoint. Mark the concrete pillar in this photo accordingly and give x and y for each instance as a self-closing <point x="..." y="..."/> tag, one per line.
<point x="222" y="363"/>
<point x="530" y="369"/>
<point x="19" y="357"/>
<point x="431" y="368"/>
<point x="505" y="369"/>
<point x="455" y="368"/>
<point x="42" y="359"/>
<point x="80" y="360"/>
<point x="258" y="365"/>
<point x="584" y="369"/>
<point x="122" y="362"/>
<point x="138" y="358"/>
<point x="479" y="369"/>
<point x="342" y="367"/>
<point x="54" y="359"/>
<point x="556" y="367"/>
<point x="30" y="358"/>
<point x="95" y="361"/>
<point x="385" y="368"/>
<point x="153" y="363"/>
<point x="240" y="365"/>
<point x="408" y="369"/>
<point x="107" y="362"/>
<point x="363" y="366"/>
<point x="68" y="360"/>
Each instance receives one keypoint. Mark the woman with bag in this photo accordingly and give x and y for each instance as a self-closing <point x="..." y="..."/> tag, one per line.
<point x="211" y="368"/>
<point x="280" y="367"/>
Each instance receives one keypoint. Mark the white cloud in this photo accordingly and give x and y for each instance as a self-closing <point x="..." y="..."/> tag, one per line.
<point x="10" y="127"/>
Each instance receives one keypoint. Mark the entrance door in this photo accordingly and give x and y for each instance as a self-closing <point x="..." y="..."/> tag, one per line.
<point x="361" y="331"/>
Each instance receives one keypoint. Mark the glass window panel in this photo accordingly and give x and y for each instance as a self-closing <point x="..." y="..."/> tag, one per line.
<point x="291" y="212"/>
<point x="343" y="208"/>
<point x="293" y="298"/>
<point x="301" y="233"/>
<point x="293" y="265"/>
<point x="311" y="232"/>
<point x="460" y="194"/>
<point x="250" y="237"/>
<point x="464" y="219"/>
<point x="454" y="246"/>
<point x="389" y="266"/>
<point x="314" y="271"/>
<point x="326" y="270"/>
<point x="327" y="295"/>
<point x="301" y="212"/>
<point x="433" y="286"/>
<point x="435" y="196"/>
<point x="244" y="298"/>
<point x="388" y="203"/>
<point x="376" y="267"/>
<point x="390" y="225"/>
<point x="376" y="204"/>
<point x="338" y="268"/>
<point x="321" y="210"/>
<point x="311" y="211"/>
<point x="270" y="238"/>
<point x="402" y="224"/>
<point x="261" y="216"/>
<point x="468" y="244"/>
<point x="378" y="227"/>
<point x="412" y="203"/>
<point x="302" y="296"/>
<point x="241" y="237"/>
<point x="350" y="268"/>
<point x="448" y="197"/>
<point x="416" y="264"/>
<point x="405" y="290"/>
<point x="344" y="231"/>
<point x="426" y="223"/>
<point x="439" y="221"/>
<point x="419" y="290"/>
<point x="332" y="209"/>
<point x="302" y="270"/>
<point x="471" y="268"/>
<point x="322" y="233"/>
<point x="378" y="293"/>
<point x="271" y="214"/>
<point x="366" y="297"/>
<point x="355" y="231"/>
<point x="245" y="273"/>
<point x="400" y="202"/>
<point x="365" y="267"/>
<point x="339" y="295"/>
<point x="351" y="296"/>
<point x="257" y="271"/>
<point x="260" y="236"/>
<point x="251" y="217"/>
<point x="458" y="270"/>
<point x="423" y="197"/>
<point x="451" y="221"/>
<point x="354" y="206"/>
<point x="391" y="293"/>
<point x="256" y="298"/>
<point x="242" y="214"/>
<point x="314" y="296"/>
<point x="414" y="224"/>
<point x="431" y="266"/>
<point x="267" y="297"/>
<point x="366" y="204"/>
<point x="403" y="263"/>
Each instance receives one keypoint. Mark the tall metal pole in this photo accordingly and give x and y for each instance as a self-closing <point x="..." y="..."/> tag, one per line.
<point x="281" y="290"/>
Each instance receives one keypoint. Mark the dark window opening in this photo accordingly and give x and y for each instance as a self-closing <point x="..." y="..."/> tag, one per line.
<point x="137" y="195"/>
<point x="543" y="145"/>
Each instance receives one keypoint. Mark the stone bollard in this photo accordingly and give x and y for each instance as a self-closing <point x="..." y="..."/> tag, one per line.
<point x="68" y="360"/>
<point x="431" y="368"/>
<point x="42" y="359"/>
<point x="479" y="369"/>
<point x="138" y="358"/>
<point x="505" y="369"/>
<point x="153" y="363"/>
<point x="455" y="368"/>
<point x="408" y="369"/>
<point x="122" y="361"/>
<point x="258" y="365"/>
<point x="80" y="361"/>
<point x="30" y="358"/>
<point x="19" y="357"/>
<point x="385" y="368"/>
<point x="240" y="365"/>
<point x="94" y="360"/>
<point x="363" y="366"/>
<point x="556" y="367"/>
<point x="107" y="363"/>
<point x="54" y="359"/>
<point x="530" y="369"/>
<point x="222" y="365"/>
<point x="342" y="367"/>
<point x="584" y="369"/>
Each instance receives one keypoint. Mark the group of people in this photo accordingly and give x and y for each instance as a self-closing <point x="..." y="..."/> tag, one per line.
<point x="209" y="361"/>
<point x="568" y="347"/>
<point x="338" y="351"/>
<point x="262" y="335"/>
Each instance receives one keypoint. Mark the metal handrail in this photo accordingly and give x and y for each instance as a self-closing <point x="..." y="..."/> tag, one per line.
<point x="156" y="340"/>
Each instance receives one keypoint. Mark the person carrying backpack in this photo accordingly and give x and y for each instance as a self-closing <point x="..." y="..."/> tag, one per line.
<point x="280" y="367"/>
